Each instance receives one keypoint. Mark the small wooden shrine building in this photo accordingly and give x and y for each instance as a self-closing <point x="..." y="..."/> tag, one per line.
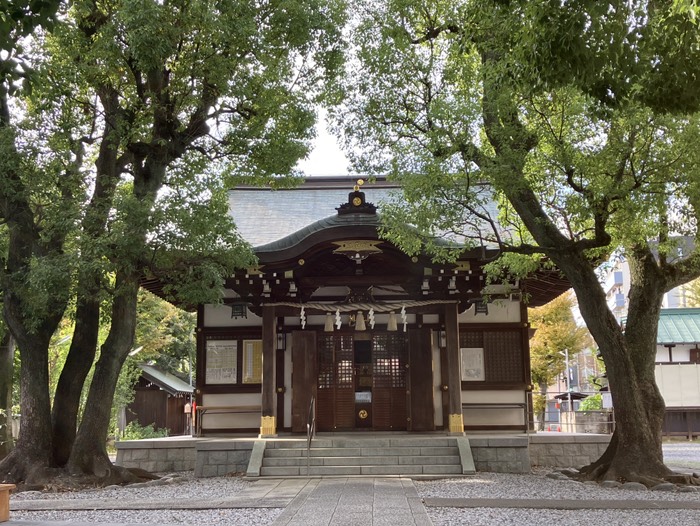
<point x="379" y="340"/>
<point x="160" y="399"/>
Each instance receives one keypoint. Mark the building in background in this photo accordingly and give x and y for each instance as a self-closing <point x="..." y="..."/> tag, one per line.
<point x="160" y="399"/>
<point x="678" y="370"/>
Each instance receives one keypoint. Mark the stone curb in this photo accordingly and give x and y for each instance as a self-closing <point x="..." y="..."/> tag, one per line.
<point x="562" y="504"/>
<point x="143" y="504"/>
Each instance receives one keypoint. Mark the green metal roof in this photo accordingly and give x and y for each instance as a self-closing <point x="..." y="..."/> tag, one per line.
<point x="679" y="326"/>
<point x="166" y="381"/>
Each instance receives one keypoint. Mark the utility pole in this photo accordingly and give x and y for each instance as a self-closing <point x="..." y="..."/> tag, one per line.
<point x="568" y="377"/>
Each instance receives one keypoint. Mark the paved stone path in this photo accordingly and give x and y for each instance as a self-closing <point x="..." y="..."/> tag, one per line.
<point x="353" y="501"/>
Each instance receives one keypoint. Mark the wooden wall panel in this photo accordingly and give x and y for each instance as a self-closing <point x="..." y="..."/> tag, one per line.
<point x="421" y="381"/>
<point x="303" y="377"/>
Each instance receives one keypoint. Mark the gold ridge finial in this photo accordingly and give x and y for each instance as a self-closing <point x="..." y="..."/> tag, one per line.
<point x="359" y="183"/>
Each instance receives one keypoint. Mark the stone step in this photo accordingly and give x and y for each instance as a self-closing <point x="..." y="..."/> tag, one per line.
<point x="291" y="471"/>
<point x="364" y="451"/>
<point x="361" y="460"/>
<point x="349" y="442"/>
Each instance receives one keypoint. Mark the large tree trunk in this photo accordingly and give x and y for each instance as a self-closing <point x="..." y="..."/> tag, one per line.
<point x="31" y="327"/>
<point x="64" y="415"/>
<point x="7" y="359"/>
<point x="30" y="461"/>
<point x="634" y="453"/>
<point x="89" y="453"/>
<point x="87" y="316"/>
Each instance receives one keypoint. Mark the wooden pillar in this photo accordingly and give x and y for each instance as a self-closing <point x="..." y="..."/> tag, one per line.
<point x="268" y="420"/>
<point x="454" y="380"/>
<point x="529" y="424"/>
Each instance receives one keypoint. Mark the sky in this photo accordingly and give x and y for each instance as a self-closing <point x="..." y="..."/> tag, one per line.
<point x="326" y="157"/>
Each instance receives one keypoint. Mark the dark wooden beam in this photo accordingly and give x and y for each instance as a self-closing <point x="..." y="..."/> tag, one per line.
<point x="454" y="382"/>
<point x="268" y="425"/>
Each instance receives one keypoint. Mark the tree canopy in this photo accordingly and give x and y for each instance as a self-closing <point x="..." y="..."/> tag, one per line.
<point x="551" y="130"/>
<point x="141" y="116"/>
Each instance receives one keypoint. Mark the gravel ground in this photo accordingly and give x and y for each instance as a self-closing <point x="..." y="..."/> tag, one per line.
<point x="682" y="456"/>
<point x="237" y="517"/>
<point x="484" y="485"/>
<point x="181" y="486"/>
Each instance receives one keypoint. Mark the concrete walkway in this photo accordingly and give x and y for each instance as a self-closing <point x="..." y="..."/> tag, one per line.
<point x="333" y="502"/>
<point x="353" y="501"/>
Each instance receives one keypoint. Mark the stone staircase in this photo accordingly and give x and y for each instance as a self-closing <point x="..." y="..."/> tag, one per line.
<point x="347" y="456"/>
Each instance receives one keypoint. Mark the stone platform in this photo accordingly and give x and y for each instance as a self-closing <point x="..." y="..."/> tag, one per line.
<point x="216" y="456"/>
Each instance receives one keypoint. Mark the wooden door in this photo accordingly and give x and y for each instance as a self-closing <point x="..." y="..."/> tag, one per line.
<point x="389" y="381"/>
<point x="303" y="377"/>
<point x="422" y="411"/>
<point x="335" y="380"/>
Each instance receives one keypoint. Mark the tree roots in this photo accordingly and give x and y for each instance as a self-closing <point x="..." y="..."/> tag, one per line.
<point x="650" y="477"/>
<point x="28" y="475"/>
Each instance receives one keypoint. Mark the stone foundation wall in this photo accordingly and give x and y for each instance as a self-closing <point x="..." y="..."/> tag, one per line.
<point x="566" y="450"/>
<point x="212" y="457"/>
<point x="500" y="455"/>
<point x="157" y="456"/>
<point x="215" y="458"/>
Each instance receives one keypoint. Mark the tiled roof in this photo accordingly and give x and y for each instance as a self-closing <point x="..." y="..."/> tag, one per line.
<point x="679" y="326"/>
<point x="263" y="215"/>
<point x="169" y="383"/>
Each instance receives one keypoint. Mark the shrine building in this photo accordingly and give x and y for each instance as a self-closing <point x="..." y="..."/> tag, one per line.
<point x="378" y="340"/>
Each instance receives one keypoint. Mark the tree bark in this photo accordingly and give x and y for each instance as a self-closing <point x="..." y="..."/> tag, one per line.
<point x="30" y="460"/>
<point x="64" y="418"/>
<point x="7" y="359"/>
<point x="635" y="452"/>
<point x="31" y="329"/>
<point x="89" y="453"/>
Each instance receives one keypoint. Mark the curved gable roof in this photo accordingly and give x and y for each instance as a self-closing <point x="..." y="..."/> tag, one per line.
<point x="264" y="216"/>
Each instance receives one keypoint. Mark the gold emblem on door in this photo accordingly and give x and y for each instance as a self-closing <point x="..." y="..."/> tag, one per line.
<point x="362" y="414"/>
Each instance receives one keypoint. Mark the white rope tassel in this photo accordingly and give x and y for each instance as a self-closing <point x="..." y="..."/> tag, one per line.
<point x="338" y="319"/>
<point x="302" y="317"/>
<point x="370" y="317"/>
<point x="404" y="318"/>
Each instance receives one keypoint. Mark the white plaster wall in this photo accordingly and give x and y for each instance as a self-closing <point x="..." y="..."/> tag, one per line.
<point x="494" y="415"/>
<point x="220" y="316"/>
<point x="500" y="311"/>
<point x="679" y="384"/>
<point x="231" y="420"/>
<point x="680" y="353"/>
<point x="431" y="318"/>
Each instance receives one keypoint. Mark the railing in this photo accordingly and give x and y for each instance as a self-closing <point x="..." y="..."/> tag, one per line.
<point x="310" y="431"/>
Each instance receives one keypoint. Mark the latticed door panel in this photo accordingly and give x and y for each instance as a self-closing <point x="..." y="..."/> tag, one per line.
<point x="336" y="395"/>
<point x="389" y="360"/>
<point x="345" y="385"/>
<point x="325" y="397"/>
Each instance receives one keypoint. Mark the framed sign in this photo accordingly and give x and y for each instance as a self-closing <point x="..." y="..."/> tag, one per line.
<point x="222" y="362"/>
<point x="473" y="364"/>
<point x="252" y="361"/>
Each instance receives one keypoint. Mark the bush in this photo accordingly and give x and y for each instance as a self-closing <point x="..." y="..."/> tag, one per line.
<point x="592" y="403"/>
<point x="134" y="431"/>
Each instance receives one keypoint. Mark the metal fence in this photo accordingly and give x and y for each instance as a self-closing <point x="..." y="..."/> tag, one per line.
<point x="563" y="414"/>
